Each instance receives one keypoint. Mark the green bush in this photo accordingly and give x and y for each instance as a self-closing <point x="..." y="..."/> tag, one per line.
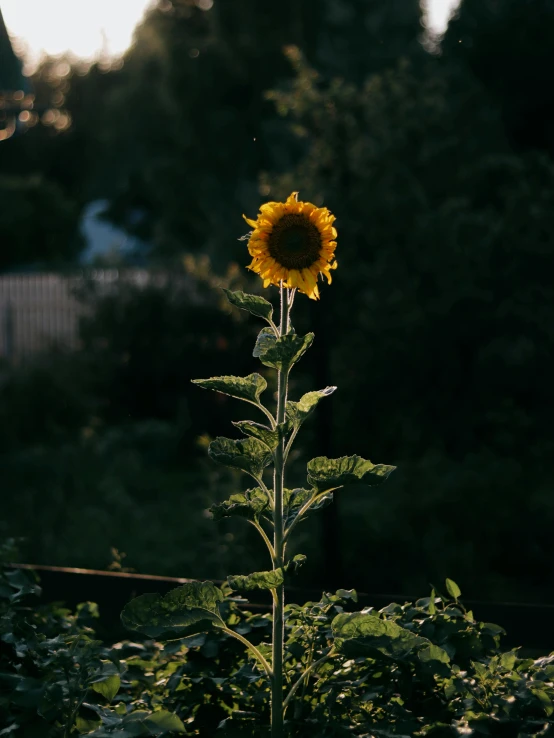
<point x="423" y="669"/>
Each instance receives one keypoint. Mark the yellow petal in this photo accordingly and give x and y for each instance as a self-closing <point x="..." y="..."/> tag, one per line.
<point x="292" y="198"/>
<point x="250" y="222"/>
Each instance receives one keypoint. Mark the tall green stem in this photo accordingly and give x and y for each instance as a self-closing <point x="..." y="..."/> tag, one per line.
<point x="277" y="726"/>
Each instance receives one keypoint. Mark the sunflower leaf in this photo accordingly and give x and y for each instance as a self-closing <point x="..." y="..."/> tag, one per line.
<point x="249" y="505"/>
<point x="250" y="455"/>
<point x="365" y="634"/>
<point x="264" y="434"/>
<point x="324" y="473"/>
<point x="295" y="499"/>
<point x="257" y="580"/>
<point x="297" y="412"/>
<point x="184" y="611"/>
<point x="243" y="388"/>
<point x="266" y="340"/>
<point x="252" y="303"/>
<point x="281" y="353"/>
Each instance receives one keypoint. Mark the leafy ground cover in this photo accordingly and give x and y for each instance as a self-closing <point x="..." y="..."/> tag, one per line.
<point x="424" y="669"/>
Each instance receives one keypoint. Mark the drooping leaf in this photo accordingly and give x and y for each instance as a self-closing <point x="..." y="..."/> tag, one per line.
<point x="453" y="589"/>
<point x="243" y="388"/>
<point x="252" y="303"/>
<point x="21" y="584"/>
<point x="281" y="353"/>
<point x="250" y="455"/>
<point x="297" y="412"/>
<point x="264" y="434"/>
<point x="324" y="473"/>
<point x="265" y="341"/>
<point x="257" y="580"/>
<point x="186" y="610"/>
<point x="249" y="505"/>
<point x="295" y="499"/>
<point x="362" y="634"/>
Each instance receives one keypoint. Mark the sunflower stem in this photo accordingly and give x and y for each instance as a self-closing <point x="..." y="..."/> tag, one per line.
<point x="277" y="721"/>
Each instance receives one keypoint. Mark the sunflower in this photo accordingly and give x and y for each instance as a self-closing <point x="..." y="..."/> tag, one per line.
<point x="292" y="243"/>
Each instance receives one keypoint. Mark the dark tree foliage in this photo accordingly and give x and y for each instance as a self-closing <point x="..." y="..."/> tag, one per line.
<point x="507" y="44"/>
<point x="190" y="127"/>
<point x="438" y="326"/>
<point x="38" y="223"/>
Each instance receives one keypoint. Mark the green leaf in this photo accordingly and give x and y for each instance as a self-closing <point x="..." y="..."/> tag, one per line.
<point x="433" y="653"/>
<point x="453" y="589"/>
<point x="250" y="455"/>
<point x="265" y="341"/>
<point x="324" y="473"/>
<point x="295" y="499"/>
<point x="184" y="611"/>
<point x="249" y="505"/>
<point x="257" y="580"/>
<point x="432" y="606"/>
<point x="281" y="353"/>
<point x="295" y="563"/>
<point x="243" y="388"/>
<point x="297" y="412"/>
<point x="254" y="304"/>
<point x="83" y="725"/>
<point x="163" y="721"/>
<point x="361" y="634"/>
<point x="264" y="434"/>
<point x="108" y="687"/>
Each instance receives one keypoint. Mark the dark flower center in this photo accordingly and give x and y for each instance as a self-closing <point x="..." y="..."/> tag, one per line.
<point x="294" y="242"/>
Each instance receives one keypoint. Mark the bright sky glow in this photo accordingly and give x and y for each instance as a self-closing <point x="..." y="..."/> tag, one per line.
<point x="90" y="28"/>
<point x="86" y="28"/>
<point x="438" y="12"/>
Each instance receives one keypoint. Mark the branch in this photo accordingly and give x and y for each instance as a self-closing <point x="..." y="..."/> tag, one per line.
<point x="251" y="647"/>
<point x="306" y="507"/>
<point x="303" y="676"/>
<point x="264" y="535"/>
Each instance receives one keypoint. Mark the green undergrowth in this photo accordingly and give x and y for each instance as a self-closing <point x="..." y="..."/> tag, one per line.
<point x="423" y="669"/>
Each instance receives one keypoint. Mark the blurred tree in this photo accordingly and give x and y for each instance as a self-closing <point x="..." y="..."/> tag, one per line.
<point x="190" y="129"/>
<point x="507" y="45"/>
<point x="38" y="223"/>
<point x="442" y="313"/>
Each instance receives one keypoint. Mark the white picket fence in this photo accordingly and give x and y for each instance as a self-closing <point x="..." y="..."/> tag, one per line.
<point x="42" y="311"/>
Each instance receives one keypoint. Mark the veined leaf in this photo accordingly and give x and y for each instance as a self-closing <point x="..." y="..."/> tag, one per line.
<point x="281" y="353"/>
<point x="361" y="634"/>
<point x="254" y="304"/>
<point x="249" y="505"/>
<point x="297" y="412"/>
<point x="257" y="580"/>
<point x="250" y="455"/>
<point x="265" y="341"/>
<point x="243" y="388"/>
<point x="184" y="611"/>
<point x="264" y="434"/>
<point x="324" y="473"/>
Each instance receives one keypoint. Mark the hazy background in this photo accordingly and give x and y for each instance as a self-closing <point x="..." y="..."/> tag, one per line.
<point x="435" y="154"/>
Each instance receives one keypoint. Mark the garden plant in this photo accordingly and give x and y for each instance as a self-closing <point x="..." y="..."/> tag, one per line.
<point x="291" y="245"/>
<point x="209" y="666"/>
